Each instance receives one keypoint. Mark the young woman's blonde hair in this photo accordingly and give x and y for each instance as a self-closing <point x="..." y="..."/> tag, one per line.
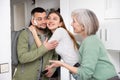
<point x="88" y="19"/>
<point x="63" y="26"/>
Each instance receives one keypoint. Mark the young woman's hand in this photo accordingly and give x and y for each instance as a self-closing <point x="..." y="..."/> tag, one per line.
<point x="33" y="30"/>
<point x="50" y="45"/>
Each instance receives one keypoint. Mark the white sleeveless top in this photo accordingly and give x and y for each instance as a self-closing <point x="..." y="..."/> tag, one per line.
<point x="65" y="46"/>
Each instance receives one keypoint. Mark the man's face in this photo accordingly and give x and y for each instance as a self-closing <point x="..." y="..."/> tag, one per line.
<point x="39" y="20"/>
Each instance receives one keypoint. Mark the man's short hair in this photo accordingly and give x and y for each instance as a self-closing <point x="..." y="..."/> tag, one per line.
<point x="37" y="9"/>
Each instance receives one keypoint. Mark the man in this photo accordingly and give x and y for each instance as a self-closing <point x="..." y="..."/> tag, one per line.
<point x="33" y="60"/>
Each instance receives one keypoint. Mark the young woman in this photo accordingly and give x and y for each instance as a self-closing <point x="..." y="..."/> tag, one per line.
<point x="94" y="61"/>
<point x="67" y="46"/>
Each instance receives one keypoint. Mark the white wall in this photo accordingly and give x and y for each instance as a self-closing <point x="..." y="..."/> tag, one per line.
<point x="65" y="12"/>
<point x="5" y="46"/>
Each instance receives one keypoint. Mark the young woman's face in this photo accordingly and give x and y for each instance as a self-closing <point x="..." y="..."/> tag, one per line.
<point x="76" y="26"/>
<point x="53" y="21"/>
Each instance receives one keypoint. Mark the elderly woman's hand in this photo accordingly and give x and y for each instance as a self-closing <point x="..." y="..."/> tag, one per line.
<point x="55" y="63"/>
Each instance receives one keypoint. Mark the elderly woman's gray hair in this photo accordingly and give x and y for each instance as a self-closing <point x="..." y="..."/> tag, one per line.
<point x="88" y="19"/>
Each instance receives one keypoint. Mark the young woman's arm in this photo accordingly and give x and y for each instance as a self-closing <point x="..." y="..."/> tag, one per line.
<point x="36" y="38"/>
<point x="49" y="45"/>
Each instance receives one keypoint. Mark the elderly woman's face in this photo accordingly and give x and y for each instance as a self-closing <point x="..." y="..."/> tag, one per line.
<point x="76" y="26"/>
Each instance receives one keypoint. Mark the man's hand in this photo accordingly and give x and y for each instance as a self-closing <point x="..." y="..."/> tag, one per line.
<point x="50" y="45"/>
<point x="49" y="72"/>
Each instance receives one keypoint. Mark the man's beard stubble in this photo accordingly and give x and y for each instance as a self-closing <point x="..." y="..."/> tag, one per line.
<point x="42" y="29"/>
